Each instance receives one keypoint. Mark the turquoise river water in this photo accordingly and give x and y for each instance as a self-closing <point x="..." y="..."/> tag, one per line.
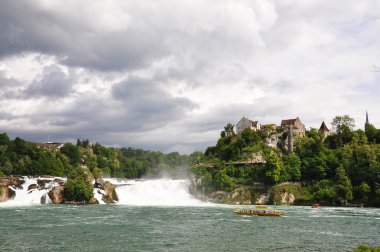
<point x="183" y="228"/>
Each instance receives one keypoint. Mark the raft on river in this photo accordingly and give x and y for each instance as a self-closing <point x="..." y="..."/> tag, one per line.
<point x="259" y="211"/>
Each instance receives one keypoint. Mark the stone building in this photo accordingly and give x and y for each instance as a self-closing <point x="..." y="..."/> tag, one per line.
<point x="298" y="128"/>
<point x="293" y="128"/>
<point x="245" y="123"/>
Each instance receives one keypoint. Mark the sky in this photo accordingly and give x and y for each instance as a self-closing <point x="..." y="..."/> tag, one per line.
<point x="169" y="75"/>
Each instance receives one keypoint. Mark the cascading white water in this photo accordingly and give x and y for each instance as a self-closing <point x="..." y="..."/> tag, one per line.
<point x="33" y="196"/>
<point x="156" y="192"/>
<point x="98" y="195"/>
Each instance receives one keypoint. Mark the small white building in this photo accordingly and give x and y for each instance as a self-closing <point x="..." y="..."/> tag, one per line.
<point x="245" y="123"/>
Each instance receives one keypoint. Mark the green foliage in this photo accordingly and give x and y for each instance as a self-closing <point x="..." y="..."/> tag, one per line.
<point x="229" y="129"/>
<point x="4" y="139"/>
<point x="343" y="123"/>
<point x="78" y="188"/>
<point x="361" y="192"/>
<point x="19" y="157"/>
<point x="292" y="167"/>
<point x="223" y="181"/>
<point x="366" y="248"/>
<point x="343" y="187"/>
<point x="276" y="192"/>
<point x="323" y="192"/>
<point x="371" y="133"/>
<point x="72" y="152"/>
<point x="273" y="168"/>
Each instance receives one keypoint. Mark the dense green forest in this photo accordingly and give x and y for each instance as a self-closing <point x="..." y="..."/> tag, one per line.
<point x="19" y="157"/>
<point x="338" y="169"/>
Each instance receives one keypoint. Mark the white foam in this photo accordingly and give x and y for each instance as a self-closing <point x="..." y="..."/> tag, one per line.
<point x="156" y="192"/>
<point x="98" y="195"/>
<point x="33" y="196"/>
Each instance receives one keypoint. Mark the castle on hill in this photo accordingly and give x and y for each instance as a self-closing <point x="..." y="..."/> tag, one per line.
<point x="286" y="132"/>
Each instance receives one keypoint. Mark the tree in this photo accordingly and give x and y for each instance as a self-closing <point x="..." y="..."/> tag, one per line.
<point x="370" y="132"/>
<point x="343" y="126"/>
<point x="273" y="168"/>
<point x="251" y="137"/>
<point x="359" y="137"/>
<point x="223" y="181"/>
<point x="378" y="136"/>
<point x="323" y="191"/>
<point x="78" y="188"/>
<point x="229" y="129"/>
<point x="343" y="187"/>
<point x="4" y="139"/>
<point x="223" y="134"/>
<point x="72" y="152"/>
<point x="196" y="158"/>
<point x="292" y="167"/>
<point x="361" y="192"/>
<point x="7" y="168"/>
<point x="341" y="122"/>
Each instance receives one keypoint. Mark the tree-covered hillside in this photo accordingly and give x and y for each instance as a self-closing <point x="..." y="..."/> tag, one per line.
<point x="19" y="157"/>
<point x="338" y="169"/>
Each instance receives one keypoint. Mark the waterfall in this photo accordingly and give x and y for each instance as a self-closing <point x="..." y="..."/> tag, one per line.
<point x="32" y="196"/>
<point x="155" y="192"/>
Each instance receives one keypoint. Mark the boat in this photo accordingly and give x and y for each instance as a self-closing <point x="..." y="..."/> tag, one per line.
<point x="315" y="206"/>
<point x="259" y="211"/>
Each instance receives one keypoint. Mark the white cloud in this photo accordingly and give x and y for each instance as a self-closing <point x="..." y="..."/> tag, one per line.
<point x="169" y="75"/>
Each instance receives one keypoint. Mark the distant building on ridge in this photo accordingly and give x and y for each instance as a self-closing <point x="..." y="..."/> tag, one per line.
<point x="298" y="128"/>
<point x="324" y="130"/>
<point x="245" y="123"/>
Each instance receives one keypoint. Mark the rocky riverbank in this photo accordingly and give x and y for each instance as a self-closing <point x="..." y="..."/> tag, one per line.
<point x="257" y="194"/>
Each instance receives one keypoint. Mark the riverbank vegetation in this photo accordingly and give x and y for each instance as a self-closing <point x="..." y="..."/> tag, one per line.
<point x="19" y="157"/>
<point x="366" y="248"/>
<point x="340" y="169"/>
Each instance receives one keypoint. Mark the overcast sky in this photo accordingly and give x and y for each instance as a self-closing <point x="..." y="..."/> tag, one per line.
<point x="169" y="75"/>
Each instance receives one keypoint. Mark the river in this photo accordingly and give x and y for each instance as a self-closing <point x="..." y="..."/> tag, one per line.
<point x="189" y="225"/>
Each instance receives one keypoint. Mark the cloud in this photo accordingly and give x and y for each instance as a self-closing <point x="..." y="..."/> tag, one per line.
<point x="170" y="75"/>
<point x="75" y="36"/>
<point x="52" y="84"/>
<point x="8" y="85"/>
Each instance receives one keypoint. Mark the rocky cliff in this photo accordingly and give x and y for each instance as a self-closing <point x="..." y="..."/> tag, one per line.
<point x="281" y="194"/>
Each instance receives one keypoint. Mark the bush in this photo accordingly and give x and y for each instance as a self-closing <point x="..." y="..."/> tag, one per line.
<point x="365" y="248"/>
<point x="78" y="189"/>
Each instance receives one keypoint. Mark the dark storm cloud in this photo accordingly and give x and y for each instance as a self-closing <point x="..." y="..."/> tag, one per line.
<point x="146" y="103"/>
<point x="136" y="105"/>
<point x="53" y="83"/>
<point x="27" y="27"/>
